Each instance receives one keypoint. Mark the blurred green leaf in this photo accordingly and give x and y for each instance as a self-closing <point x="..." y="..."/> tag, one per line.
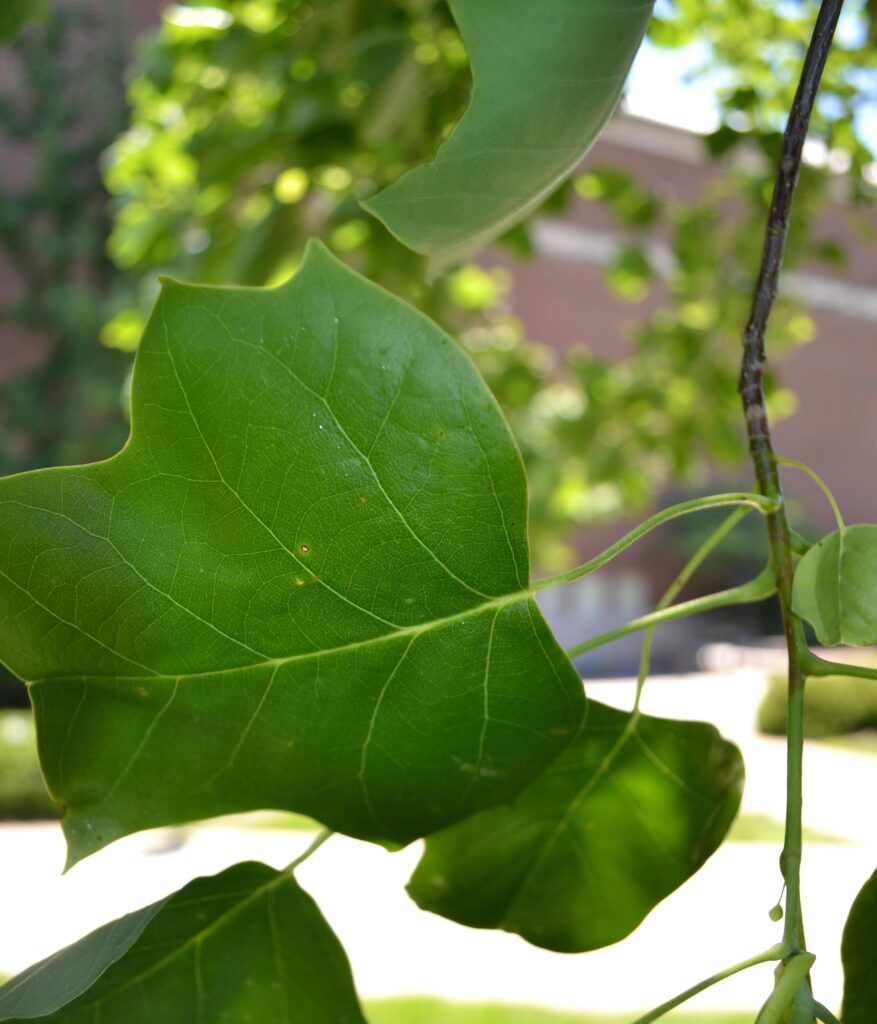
<point x="245" y="945"/>
<point x="16" y="15"/>
<point x="859" y="954"/>
<point x="547" y="78"/>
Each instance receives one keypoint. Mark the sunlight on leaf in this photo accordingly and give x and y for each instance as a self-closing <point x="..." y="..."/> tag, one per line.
<point x="623" y="817"/>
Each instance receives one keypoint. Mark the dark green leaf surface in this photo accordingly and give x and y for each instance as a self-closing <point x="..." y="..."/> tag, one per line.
<point x="835" y="587"/>
<point x="622" y="818"/>
<point x="301" y="585"/>
<point x="859" y="955"/>
<point x="247" y="945"/>
<point x="547" y="76"/>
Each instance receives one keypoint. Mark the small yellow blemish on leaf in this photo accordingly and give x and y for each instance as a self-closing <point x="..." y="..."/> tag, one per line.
<point x="304" y="549"/>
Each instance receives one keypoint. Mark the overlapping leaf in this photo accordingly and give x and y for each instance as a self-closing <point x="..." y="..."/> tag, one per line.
<point x="244" y="945"/>
<point x="547" y="76"/>
<point x="859" y="954"/>
<point x="623" y="817"/>
<point x="835" y="587"/>
<point x="301" y="585"/>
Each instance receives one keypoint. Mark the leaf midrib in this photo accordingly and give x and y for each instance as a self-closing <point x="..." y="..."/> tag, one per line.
<point x="496" y="603"/>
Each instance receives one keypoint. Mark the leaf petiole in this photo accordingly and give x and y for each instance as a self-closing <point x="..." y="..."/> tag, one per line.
<point x="815" y="666"/>
<point x="321" y="838"/>
<point x="776" y="952"/>
<point x="757" y="589"/>
<point x="685" y="574"/>
<point x="824" y="1014"/>
<point x="820" y="483"/>
<point x="764" y="505"/>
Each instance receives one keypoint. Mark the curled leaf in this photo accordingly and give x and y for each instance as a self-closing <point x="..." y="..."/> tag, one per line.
<point x="547" y="76"/>
<point x="835" y="587"/>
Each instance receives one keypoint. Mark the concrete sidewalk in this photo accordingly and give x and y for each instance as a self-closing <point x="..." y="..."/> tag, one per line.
<point x="717" y="918"/>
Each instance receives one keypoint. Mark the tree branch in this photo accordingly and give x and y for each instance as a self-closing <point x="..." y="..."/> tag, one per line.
<point x="761" y="446"/>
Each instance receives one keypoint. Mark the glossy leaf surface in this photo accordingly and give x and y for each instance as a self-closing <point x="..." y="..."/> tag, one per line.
<point x="622" y="818"/>
<point x="244" y="945"/>
<point x="301" y="585"/>
<point x="835" y="587"/>
<point x="547" y="76"/>
<point x="859" y="954"/>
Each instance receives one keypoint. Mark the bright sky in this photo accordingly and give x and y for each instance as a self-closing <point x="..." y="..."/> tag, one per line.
<point x="657" y="88"/>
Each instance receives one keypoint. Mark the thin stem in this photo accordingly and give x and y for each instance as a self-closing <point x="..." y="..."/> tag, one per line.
<point x="800" y="545"/>
<point x="327" y="833"/>
<point x="764" y="505"/>
<point x="755" y="590"/>
<point x="774" y="953"/>
<point x="761" y="446"/>
<point x="685" y="574"/>
<point x="816" y="666"/>
<point x="824" y="1014"/>
<point x="820" y="483"/>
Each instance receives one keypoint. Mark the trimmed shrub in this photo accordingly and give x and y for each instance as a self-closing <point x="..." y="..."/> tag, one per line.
<point x="23" y="794"/>
<point x="833" y="706"/>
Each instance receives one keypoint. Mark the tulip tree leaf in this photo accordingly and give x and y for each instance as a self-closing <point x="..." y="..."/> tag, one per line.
<point x="835" y="587"/>
<point x="302" y="584"/>
<point x="859" y="955"/>
<point x="624" y="816"/>
<point x="547" y="76"/>
<point x="244" y="945"/>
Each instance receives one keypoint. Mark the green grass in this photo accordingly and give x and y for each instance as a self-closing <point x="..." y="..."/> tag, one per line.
<point x="434" y="1011"/>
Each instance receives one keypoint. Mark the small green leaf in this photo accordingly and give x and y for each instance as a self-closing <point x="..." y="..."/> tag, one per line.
<point x="835" y="587"/>
<point x="547" y="77"/>
<point x="244" y="945"/>
<point x="623" y="817"/>
<point x="302" y="585"/>
<point x="16" y="15"/>
<point x="859" y="955"/>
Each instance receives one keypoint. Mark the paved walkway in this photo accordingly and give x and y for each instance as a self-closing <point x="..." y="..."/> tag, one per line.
<point x="717" y="918"/>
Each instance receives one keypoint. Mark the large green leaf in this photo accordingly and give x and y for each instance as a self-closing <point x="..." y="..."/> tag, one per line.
<point x="623" y="817"/>
<point x="303" y="583"/>
<point x="547" y="76"/>
<point x="859" y="954"/>
<point x="835" y="587"/>
<point x="244" y="945"/>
